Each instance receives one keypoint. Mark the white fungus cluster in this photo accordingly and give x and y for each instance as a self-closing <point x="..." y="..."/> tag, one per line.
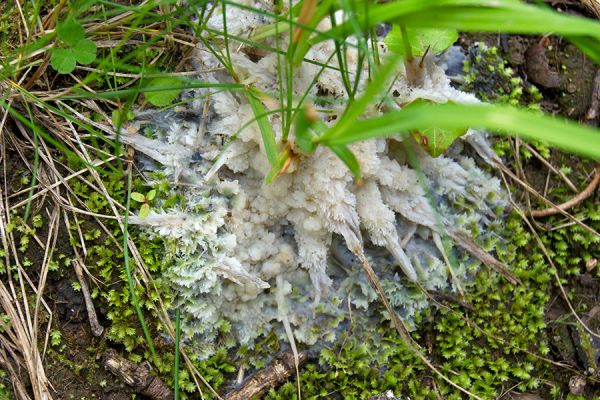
<point x="249" y="255"/>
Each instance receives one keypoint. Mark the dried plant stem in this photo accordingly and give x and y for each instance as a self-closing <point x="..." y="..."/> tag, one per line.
<point x="580" y="197"/>
<point x="531" y="190"/>
<point x="399" y="325"/>
<point x="97" y="329"/>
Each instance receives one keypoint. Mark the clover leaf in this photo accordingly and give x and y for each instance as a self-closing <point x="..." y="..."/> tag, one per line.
<point x="70" y="32"/>
<point x="62" y="60"/>
<point x="75" y="48"/>
<point x="164" y="90"/>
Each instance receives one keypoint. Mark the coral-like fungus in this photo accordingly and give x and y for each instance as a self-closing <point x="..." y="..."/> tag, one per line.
<point x="237" y="236"/>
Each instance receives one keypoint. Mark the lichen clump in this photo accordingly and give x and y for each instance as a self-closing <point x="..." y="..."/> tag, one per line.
<point x="249" y="255"/>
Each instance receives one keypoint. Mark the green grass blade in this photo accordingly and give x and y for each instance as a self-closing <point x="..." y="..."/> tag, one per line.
<point x="266" y="130"/>
<point x="523" y="19"/>
<point x="130" y="283"/>
<point x="176" y="367"/>
<point x="470" y="15"/>
<point x="188" y="84"/>
<point x="357" y="108"/>
<point x="344" y="154"/>
<point x="303" y="45"/>
<point x="555" y="131"/>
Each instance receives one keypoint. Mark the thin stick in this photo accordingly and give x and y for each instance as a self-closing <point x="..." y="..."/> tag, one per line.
<point x="584" y="194"/>
<point x="97" y="329"/>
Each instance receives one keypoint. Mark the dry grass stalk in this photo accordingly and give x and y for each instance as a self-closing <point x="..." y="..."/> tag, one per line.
<point x="576" y="200"/>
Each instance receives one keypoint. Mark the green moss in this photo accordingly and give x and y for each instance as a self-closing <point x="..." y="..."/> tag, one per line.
<point x="484" y="348"/>
<point x="488" y="76"/>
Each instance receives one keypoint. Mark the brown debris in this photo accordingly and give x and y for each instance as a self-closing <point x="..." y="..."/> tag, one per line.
<point x="584" y="194"/>
<point x="526" y="396"/>
<point x="591" y="117"/>
<point x="97" y="329"/>
<point x="281" y="368"/>
<point x="515" y="54"/>
<point x="538" y="69"/>
<point x="577" y="385"/>
<point x="592" y="6"/>
<point x="138" y="377"/>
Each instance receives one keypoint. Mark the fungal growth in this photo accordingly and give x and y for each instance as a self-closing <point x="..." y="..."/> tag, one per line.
<point x="250" y="257"/>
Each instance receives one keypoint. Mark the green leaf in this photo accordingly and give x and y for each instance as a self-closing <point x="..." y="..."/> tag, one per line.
<point x="140" y="198"/>
<point x="70" y="32"/>
<point x="555" y="131"/>
<point x="144" y="210"/>
<point x="280" y="165"/>
<point x="164" y="90"/>
<point x="150" y="195"/>
<point x="304" y="135"/>
<point x="435" y="140"/>
<point x="84" y="51"/>
<point x="266" y="131"/>
<point x="421" y="39"/>
<point x="374" y="89"/>
<point x="468" y="15"/>
<point x="62" y="60"/>
<point x="119" y="117"/>
<point x="344" y="154"/>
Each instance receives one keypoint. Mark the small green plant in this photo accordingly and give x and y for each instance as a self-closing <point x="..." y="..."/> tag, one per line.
<point x="55" y="337"/>
<point x="145" y="200"/>
<point x="163" y="90"/>
<point x="74" y="47"/>
<point x="421" y="41"/>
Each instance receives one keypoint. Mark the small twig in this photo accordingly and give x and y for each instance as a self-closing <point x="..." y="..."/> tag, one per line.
<point x="476" y="251"/>
<point x="97" y="329"/>
<point x="138" y="377"/>
<point x="280" y="369"/>
<point x="550" y="166"/>
<point x="584" y="194"/>
<point x="509" y="173"/>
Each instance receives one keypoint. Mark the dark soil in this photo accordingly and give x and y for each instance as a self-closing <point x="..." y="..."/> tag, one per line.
<point x="73" y="368"/>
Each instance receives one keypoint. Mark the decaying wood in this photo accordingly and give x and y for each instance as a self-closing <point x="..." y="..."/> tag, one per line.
<point x="138" y="377"/>
<point x="584" y="194"/>
<point x="280" y="369"/>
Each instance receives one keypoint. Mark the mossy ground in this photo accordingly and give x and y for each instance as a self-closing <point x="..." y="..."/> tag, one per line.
<point x="491" y="341"/>
<point x="500" y="338"/>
